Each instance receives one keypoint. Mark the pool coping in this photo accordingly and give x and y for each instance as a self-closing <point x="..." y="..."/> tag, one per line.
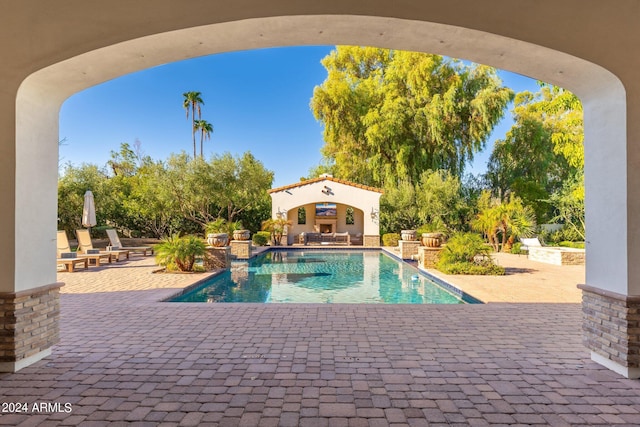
<point x="465" y="297"/>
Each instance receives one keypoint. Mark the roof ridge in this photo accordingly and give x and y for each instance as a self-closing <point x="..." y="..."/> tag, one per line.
<point x="325" y="178"/>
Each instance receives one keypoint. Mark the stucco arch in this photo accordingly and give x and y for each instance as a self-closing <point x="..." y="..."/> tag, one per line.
<point x="67" y="49"/>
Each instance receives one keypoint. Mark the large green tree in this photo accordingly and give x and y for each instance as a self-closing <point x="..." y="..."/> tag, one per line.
<point x="542" y="151"/>
<point x="389" y="115"/>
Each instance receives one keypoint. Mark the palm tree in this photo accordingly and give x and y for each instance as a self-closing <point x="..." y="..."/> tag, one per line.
<point x="205" y="128"/>
<point x="193" y="101"/>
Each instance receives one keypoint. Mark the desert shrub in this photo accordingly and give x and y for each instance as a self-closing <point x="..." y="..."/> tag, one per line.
<point x="179" y="253"/>
<point x="390" y="239"/>
<point x="516" y="248"/>
<point x="261" y="238"/>
<point x="466" y="253"/>
<point x="479" y="269"/>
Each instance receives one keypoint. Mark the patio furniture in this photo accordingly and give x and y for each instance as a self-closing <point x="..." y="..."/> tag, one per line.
<point x="356" y="239"/>
<point x="71" y="263"/>
<point x="342" y="238"/>
<point x="114" y="239"/>
<point x="327" y="238"/>
<point x="64" y="249"/>
<point x="529" y="242"/>
<point x="85" y="246"/>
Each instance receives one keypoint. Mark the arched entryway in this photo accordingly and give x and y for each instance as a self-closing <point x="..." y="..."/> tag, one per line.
<point x="55" y="51"/>
<point x="334" y="211"/>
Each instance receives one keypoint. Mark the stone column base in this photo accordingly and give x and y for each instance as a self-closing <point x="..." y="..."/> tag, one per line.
<point x="408" y="248"/>
<point x="371" y="241"/>
<point x="29" y="326"/>
<point x="217" y="257"/>
<point x="611" y="329"/>
<point x="241" y="249"/>
<point x="428" y="257"/>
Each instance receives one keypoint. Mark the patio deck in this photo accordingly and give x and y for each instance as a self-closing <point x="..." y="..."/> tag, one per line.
<point x="125" y="358"/>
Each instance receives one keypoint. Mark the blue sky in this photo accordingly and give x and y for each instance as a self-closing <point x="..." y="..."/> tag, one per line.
<point x="256" y="100"/>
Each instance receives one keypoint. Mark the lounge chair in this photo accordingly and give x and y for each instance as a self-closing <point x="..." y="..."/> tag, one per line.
<point x="64" y="248"/>
<point x="85" y="246"/>
<point x="528" y="243"/>
<point x="71" y="263"/>
<point x="114" y="239"/>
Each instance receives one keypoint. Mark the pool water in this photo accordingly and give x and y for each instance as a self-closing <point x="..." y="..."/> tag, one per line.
<point x="297" y="276"/>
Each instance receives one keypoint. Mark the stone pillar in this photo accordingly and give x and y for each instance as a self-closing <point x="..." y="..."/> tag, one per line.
<point x="217" y="258"/>
<point x="428" y="257"/>
<point x="611" y="329"/>
<point x="371" y="241"/>
<point x="408" y="248"/>
<point x="29" y="326"/>
<point x="241" y="249"/>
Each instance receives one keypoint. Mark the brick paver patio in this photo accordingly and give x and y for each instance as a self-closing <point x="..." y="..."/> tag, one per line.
<point x="125" y="358"/>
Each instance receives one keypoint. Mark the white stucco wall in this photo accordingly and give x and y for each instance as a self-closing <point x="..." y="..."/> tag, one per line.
<point x="342" y="195"/>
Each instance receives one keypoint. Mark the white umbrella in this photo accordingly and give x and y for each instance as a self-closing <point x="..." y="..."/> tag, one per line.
<point x="88" y="210"/>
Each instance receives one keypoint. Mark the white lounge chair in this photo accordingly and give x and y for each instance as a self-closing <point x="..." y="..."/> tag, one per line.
<point x="85" y="246"/>
<point x="529" y="242"/>
<point x="114" y="239"/>
<point x="64" y="248"/>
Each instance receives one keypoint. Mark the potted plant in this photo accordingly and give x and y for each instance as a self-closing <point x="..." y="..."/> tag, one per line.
<point x="408" y="235"/>
<point x="432" y="234"/>
<point x="238" y="233"/>
<point x="216" y="231"/>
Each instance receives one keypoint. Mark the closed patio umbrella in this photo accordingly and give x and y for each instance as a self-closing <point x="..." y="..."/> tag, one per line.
<point x="88" y="211"/>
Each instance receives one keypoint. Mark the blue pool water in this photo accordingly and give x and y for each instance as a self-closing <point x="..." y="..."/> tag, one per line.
<point x="301" y="276"/>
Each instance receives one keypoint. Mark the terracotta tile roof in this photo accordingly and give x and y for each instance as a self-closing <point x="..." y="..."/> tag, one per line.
<point x="327" y="178"/>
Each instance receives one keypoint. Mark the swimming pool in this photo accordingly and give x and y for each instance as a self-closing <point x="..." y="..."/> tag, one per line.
<point x="308" y="276"/>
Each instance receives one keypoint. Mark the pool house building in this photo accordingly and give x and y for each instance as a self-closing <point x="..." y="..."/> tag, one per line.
<point x="328" y="211"/>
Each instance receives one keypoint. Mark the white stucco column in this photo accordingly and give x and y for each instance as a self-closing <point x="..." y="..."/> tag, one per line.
<point x="29" y="294"/>
<point x="611" y="295"/>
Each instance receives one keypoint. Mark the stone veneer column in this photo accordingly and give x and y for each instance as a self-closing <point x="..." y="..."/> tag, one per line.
<point x="29" y="325"/>
<point x="241" y="249"/>
<point x="369" y="241"/>
<point x="408" y="248"/>
<point x="217" y="257"/>
<point x="428" y="257"/>
<point x="611" y="329"/>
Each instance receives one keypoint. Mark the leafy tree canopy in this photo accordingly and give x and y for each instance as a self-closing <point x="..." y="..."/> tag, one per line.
<point x="543" y="149"/>
<point x="389" y="115"/>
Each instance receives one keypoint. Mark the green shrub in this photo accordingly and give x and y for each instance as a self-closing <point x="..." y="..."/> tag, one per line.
<point x="482" y="269"/>
<point x="575" y="245"/>
<point x="390" y="239"/>
<point x="261" y="238"/>
<point x="179" y="253"/>
<point x="517" y="248"/>
<point x="467" y="253"/>
<point x="464" y="247"/>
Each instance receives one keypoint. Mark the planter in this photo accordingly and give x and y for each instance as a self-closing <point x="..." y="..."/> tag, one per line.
<point x="432" y="240"/>
<point x="241" y="235"/>
<point x="409" y="235"/>
<point x="217" y="239"/>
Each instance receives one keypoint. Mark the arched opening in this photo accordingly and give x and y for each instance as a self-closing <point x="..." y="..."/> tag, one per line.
<point x="40" y="95"/>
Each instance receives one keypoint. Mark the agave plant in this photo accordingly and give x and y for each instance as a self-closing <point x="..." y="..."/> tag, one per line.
<point x="179" y="253"/>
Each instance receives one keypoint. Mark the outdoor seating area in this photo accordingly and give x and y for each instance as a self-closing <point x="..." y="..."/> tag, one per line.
<point x="86" y="255"/>
<point x="325" y="238"/>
